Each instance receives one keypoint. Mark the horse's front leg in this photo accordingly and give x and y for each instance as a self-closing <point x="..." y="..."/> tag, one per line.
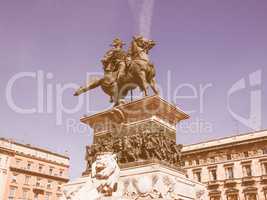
<point x="144" y="84"/>
<point x="89" y="86"/>
<point x="116" y="94"/>
<point x="153" y="85"/>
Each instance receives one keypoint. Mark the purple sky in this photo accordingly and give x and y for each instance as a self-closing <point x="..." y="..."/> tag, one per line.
<point x="199" y="43"/>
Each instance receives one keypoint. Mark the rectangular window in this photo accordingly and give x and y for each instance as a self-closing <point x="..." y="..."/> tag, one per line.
<point x="50" y="170"/>
<point x="246" y="154"/>
<point x="212" y="159"/>
<point x="29" y="165"/>
<point x="232" y="197"/>
<point x="60" y="172"/>
<point x="27" y="180"/>
<point x="229" y="157"/>
<point x="197" y="176"/>
<point x="38" y="182"/>
<point x="14" y="178"/>
<point x="213" y="174"/>
<point x="59" y="186"/>
<point x="251" y="196"/>
<point x="190" y="162"/>
<point x="49" y="184"/>
<point x="12" y="193"/>
<point x="25" y="194"/>
<point x="40" y="168"/>
<point x="18" y="161"/>
<point x="47" y="196"/>
<point x="247" y="170"/>
<point x="229" y="172"/>
<point x="7" y="158"/>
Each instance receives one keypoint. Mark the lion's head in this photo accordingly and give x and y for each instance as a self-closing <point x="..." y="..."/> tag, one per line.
<point x="105" y="173"/>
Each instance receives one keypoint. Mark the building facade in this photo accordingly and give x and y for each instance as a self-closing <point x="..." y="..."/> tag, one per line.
<point x="233" y="168"/>
<point x="30" y="173"/>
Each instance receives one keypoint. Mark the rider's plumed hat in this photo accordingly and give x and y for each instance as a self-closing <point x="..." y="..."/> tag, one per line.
<point x="117" y="41"/>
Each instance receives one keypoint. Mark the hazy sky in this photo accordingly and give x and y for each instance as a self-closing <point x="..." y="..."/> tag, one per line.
<point x="202" y="44"/>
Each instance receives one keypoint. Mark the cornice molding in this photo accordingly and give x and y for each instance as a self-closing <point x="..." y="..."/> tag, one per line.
<point x="34" y="173"/>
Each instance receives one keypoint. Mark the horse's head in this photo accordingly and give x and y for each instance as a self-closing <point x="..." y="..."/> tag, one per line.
<point x="144" y="43"/>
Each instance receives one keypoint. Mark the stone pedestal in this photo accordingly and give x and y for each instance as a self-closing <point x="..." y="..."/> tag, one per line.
<point x="142" y="134"/>
<point x="137" y="131"/>
<point x="149" y="181"/>
<point x="157" y="181"/>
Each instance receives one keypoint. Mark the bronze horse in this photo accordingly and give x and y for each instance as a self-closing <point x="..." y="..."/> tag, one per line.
<point x="139" y="73"/>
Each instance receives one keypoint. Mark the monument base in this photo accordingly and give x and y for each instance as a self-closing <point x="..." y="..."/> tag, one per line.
<point x="146" y="181"/>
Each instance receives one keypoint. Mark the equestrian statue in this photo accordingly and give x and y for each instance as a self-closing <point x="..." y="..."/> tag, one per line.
<point x="125" y="71"/>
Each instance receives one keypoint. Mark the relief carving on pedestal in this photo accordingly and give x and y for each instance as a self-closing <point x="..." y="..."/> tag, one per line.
<point x="155" y="187"/>
<point x="141" y="146"/>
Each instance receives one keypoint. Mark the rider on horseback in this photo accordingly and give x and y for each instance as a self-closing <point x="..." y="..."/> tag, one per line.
<point x="114" y="59"/>
<point x="125" y="71"/>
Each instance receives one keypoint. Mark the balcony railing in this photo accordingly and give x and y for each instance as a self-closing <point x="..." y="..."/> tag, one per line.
<point x="230" y="182"/>
<point x="213" y="184"/>
<point x="264" y="178"/>
<point x="249" y="180"/>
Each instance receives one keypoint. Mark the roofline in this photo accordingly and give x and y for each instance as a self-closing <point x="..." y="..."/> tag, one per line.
<point x="222" y="138"/>
<point x="35" y="148"/>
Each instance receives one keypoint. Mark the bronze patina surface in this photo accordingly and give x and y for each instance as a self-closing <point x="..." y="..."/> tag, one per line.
<point x="125" y="70"/>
